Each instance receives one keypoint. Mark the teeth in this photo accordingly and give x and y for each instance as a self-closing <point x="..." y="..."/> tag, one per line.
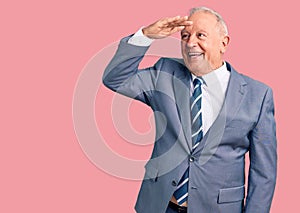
<point x="195" y="54"/>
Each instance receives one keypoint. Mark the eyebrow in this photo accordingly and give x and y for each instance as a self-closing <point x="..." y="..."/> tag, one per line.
<point x="198" y="31"/>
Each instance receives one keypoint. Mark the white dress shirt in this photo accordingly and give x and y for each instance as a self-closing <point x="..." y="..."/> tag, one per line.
<point x="213" y="94"/>
<point x="213" y="88"/>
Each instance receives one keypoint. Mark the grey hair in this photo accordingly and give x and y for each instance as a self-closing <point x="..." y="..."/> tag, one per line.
<point x="220" y="20"/>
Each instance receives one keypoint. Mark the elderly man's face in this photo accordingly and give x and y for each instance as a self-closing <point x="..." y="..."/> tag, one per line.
<point x="203" y="43"/>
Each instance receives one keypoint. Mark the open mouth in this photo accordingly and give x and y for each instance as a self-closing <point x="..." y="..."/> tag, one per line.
<point x="194" y="54"/>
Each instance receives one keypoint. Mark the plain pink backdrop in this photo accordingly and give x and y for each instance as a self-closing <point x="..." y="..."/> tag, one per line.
<point x="44" y="46"/>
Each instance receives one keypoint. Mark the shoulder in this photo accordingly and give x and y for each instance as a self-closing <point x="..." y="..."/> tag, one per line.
<point x="171" y="62"/>
<point x="254" y="84"/>
<point x="174" y="66"/>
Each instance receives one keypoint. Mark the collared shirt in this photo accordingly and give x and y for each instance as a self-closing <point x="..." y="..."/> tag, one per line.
<point x="213" y="88"/>
<point x="213" y="94"/>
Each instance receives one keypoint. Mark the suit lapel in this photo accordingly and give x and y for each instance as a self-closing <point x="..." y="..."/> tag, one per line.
<point x="235" y="93"/>
<point x="181" y="86"/>
<point x="233" y="98"/>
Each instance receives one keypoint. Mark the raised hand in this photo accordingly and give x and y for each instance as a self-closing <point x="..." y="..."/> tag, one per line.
<point x="166" y="27"/>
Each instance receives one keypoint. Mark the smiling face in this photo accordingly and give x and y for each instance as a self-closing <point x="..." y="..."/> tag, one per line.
<point x="203" y="43"/>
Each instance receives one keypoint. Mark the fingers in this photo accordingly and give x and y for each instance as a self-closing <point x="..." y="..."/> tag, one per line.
<point x="176" y="21"/>
<point x="166" y="26"/>
<point x="176" y="29"/>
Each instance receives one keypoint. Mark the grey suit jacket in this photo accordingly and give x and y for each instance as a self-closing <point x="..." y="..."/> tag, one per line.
<point x="217" y="166"/>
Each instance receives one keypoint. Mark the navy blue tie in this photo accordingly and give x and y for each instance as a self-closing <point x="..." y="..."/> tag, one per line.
<point x="181" y="193"/>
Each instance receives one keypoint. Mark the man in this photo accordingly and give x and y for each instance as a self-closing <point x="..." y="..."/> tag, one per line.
<point x="207" y="117"/>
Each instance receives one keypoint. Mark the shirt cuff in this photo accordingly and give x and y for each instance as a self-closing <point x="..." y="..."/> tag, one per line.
<point x="139" y="39"/>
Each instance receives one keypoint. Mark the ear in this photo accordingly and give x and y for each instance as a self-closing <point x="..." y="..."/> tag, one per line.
<point x="225" y="42"/>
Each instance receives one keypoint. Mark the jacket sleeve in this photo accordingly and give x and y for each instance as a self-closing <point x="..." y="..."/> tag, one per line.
<point x="123" y="76"/>
<point x="263" y="159"/>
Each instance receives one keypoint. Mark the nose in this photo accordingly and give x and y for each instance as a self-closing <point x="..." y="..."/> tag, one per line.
<point x="192" y="41"/>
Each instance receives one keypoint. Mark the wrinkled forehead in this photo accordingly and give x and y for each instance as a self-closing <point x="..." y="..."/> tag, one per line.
<point x="203" y="21"/>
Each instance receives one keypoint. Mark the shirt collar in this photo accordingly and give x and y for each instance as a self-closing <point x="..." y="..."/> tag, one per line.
<point x="214" y="76"/>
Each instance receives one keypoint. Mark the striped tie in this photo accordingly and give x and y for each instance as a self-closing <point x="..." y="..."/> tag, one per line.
<point x="181" y="193"/>
<point x="196" y="113"/>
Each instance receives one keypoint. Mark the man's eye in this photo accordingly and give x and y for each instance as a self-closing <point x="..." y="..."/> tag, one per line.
<point x="200" y="35"/>
<point x="184" y="36"/>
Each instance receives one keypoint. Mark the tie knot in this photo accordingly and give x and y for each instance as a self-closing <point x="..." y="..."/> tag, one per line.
<point x="197" y="82"/>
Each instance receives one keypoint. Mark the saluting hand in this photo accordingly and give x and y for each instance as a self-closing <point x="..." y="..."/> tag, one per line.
<point x="166" y="27"/>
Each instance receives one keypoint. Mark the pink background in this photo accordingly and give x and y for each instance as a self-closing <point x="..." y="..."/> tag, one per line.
<point x="43" y="49"/>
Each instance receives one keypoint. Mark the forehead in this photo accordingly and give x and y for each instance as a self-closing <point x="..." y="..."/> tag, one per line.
<point x="203" y="21"/>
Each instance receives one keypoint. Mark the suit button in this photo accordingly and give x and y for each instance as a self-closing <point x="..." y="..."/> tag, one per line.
<point x="192" y="158"/>
<point x="174" y="183"/>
